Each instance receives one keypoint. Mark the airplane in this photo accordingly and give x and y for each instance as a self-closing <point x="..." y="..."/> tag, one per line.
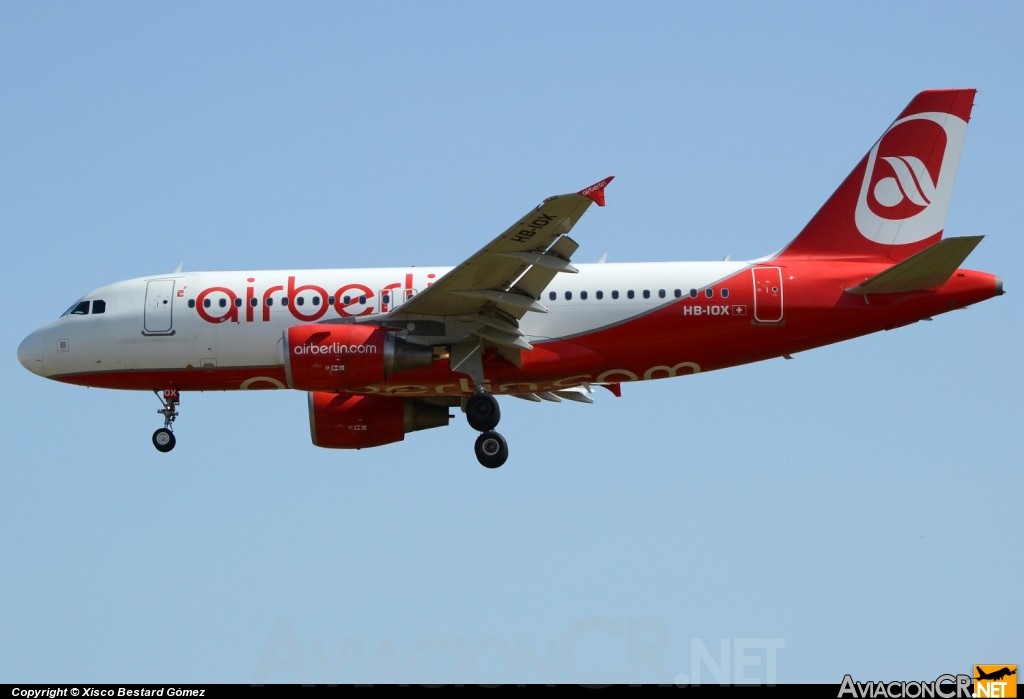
<point x="385" y="352"/>
<point x="995" y="675"/>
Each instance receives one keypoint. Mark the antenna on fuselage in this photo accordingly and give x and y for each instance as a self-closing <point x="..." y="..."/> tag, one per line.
<point x="177" y="270"/>
<point x="604" y="258"/>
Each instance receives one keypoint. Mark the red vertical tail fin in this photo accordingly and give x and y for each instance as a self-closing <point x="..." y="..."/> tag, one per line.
<point x="894" y="202"/>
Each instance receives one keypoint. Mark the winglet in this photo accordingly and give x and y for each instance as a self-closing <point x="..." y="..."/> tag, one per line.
<point x="595" y="191"/>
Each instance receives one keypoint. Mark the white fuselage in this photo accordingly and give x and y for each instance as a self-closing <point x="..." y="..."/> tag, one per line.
<point x="154" y="322"/>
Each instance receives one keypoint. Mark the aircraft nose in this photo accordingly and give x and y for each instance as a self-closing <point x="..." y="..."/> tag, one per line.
<point x="30" y="353"/>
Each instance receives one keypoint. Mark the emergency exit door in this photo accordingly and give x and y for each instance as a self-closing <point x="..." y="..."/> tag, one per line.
<point x="159" y="304"/>
<point x="767" y="294"/>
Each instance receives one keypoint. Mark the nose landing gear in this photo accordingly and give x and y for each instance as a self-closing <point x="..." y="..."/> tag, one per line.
<point x="163" y="438"/>
<point x="483" y="415"/>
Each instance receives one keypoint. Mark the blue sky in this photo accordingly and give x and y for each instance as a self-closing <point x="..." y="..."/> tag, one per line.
<point x="856" y="504"/>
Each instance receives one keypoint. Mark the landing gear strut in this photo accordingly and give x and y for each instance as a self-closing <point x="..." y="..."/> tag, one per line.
<point x="483" y="415"/>
<point x="163" y="438"/>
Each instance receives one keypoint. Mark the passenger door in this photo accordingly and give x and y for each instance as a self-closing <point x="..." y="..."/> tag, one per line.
<point x="158" y="317"/>
<point x="767" y="294"/>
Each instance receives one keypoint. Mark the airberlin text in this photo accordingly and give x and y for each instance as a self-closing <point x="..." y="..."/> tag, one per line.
<point x="335" y="348"/>
<point x="305" y="302"/>
<point x="944" y="687"/>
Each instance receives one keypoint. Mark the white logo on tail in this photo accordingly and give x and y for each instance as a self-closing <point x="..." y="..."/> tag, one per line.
<point x="912" y="181"/>
<point x="906" y="189"/>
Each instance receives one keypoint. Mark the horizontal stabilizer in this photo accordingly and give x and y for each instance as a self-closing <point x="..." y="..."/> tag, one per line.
<point x="928" y="269"/>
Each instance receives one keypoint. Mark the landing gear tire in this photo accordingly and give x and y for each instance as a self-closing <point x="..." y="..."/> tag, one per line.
<point x="491" y="449"/>
<point x="482" y="412"/>
<point x="163" y="440"/>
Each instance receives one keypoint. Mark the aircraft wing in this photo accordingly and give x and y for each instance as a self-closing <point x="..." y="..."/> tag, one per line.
<point x="509" y="273"/>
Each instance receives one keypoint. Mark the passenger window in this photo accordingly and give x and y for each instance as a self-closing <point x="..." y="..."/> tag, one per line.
<point x="693" y="293"/>
<point x="600" y="295"/>
<point x="615" y="294"/>
<point x="299" y="301"/>
<point x="284" y="300"/>
<point x="99" y="307"/>
<point x="583" y="295"/>
<point x="316" y="300"/>
<point x="362" y="299"/>
<point x="223" y="303"/>
<point x="568" y="296"/>
<point x="206" y="303"/>
<point x="238" y="303"/>
<point x="709" y="293"/>
<point x="346" y="300"/>
<point x="191" y="303"/>
<point x="629" y="294"/>
<point x="253" y="303"/>
<point x="330" y="300"/>
<point x="553" y="295"/>
<point x="82" y="309"/>
<point x="647" y="294"/>
<point x="725" y="293"/>
<point x="270" y="300"/>
<point x="679" y="293"/>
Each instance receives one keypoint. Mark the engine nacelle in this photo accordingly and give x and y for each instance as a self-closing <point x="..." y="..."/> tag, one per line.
<point x="346" y="421"/>
<point x="327" y="357"/>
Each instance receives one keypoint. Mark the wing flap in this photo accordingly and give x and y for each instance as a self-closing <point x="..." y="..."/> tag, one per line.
<point x="928" y="269"/>
<point x="538" y="277"/>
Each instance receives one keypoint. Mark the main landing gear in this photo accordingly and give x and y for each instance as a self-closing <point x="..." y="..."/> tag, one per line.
<point x="163" y="438"/>
<point x="483" y="414"/>
<point x="491" y="449"/>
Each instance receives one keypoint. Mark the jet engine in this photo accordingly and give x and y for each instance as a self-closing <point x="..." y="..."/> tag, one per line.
<point x="346" y="421"/>
<point x="326" y="357"/>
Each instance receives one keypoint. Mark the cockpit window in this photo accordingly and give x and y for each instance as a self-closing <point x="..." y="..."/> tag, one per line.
<point x="79" y="309"/>
<point x="99" y="306"/>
